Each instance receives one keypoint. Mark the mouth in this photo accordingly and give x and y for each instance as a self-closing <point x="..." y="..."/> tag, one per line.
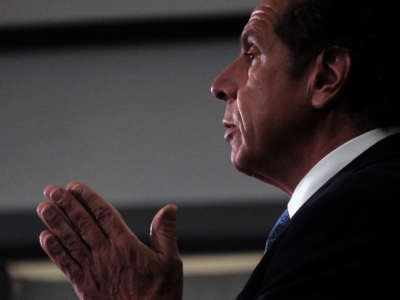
<point x="230" y="130"/>
<point x="229" y="134"/>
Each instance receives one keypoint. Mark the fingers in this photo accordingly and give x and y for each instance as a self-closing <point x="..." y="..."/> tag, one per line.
<point x="163" y="231"/>
<point x="80" y="218"/>
<point x="59" y="226"/>
<point x="105" y="215"/>
<point x="60" y="257"/>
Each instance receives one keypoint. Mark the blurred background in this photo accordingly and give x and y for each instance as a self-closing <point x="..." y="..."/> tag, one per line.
<point x="117" y="95"/>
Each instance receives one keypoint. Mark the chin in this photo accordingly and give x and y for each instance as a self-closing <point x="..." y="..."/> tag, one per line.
<point x="241" y="160"/>
<point x="251" y="165"/>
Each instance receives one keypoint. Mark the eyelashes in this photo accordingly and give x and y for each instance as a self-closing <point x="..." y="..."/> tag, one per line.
<point x="251" y="53"/>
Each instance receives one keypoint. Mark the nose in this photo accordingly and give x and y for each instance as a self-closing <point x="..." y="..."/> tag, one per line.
<point x="224" y="86"/>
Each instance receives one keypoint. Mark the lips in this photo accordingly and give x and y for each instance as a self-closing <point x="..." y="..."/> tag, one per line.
<point x="229" y="134"/>
<point x="230" y="130"/>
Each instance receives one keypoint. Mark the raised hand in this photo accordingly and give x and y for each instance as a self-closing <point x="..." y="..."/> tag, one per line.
<point x="102" y="258"/>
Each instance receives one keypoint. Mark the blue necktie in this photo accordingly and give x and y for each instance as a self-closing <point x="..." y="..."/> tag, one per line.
<point x="279" y="226"/>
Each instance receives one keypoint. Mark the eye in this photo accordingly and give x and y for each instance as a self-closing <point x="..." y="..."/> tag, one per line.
<point x="250" y="55"/>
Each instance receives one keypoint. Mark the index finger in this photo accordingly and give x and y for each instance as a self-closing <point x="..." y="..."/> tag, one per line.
<point x="106" y="216"/>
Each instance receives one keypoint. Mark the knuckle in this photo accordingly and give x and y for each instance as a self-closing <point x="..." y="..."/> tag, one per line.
<point x="64" y="202"/>
<point x="81" y="255"/>
<point x="77" y="190"/>
<point x="70" y="241"/>
<point x="53" y="246"/>
<point x="84" y="225"/>
<point x="82" y="190"/>
<point x="102" y="214"/>
<point x="49" y="213"/>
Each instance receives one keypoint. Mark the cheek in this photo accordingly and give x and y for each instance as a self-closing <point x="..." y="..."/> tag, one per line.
<point x="252" y="108"/>
<point x="248" y="127"/>
<point x="253" y="101"/>
<point x="255" y="72"/>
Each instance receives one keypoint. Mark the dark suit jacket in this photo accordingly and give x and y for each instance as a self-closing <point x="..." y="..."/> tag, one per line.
<point x="341" y="244"/>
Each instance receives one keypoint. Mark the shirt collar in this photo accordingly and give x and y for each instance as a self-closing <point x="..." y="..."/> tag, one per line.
<point x="332" y="163"/>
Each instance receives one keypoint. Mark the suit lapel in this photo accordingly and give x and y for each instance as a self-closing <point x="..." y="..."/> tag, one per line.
<point x="386" y="149"/>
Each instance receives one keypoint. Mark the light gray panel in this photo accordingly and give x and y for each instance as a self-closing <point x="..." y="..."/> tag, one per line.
<point x="54" y="11"/>
<point x="136" y="123"/>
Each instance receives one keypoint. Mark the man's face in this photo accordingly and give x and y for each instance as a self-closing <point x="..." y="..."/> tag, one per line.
<point x="264" y="103"/>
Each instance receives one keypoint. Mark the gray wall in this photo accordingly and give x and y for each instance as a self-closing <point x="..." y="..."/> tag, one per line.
<point x="50" y="11"/>
<point x="137" y="123"/>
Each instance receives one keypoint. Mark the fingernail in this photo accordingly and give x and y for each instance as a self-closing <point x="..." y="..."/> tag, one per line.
<point x="57" y="194"/>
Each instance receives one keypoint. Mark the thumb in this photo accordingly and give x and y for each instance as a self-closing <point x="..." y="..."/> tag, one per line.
<point x="163" y="231"/>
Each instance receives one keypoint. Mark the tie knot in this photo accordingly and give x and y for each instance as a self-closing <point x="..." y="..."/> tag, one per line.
<point x="279" y="226"/>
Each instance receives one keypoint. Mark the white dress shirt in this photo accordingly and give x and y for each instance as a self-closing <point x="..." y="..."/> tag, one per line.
<point x="332" y="163"/>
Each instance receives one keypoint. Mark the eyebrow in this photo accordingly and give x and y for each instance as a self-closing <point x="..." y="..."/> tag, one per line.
<point x="244" y="39"/>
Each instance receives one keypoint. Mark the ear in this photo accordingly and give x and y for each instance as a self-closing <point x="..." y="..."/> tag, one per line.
<point x="329" y="75"/>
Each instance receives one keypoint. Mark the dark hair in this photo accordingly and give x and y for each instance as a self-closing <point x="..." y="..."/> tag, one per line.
<point x="365" y="28"/>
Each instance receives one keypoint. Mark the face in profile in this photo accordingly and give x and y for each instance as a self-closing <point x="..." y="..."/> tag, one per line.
<point x="263" y="100"/>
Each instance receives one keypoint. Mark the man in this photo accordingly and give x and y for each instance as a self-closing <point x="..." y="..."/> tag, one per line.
<point x="310" y="108"/>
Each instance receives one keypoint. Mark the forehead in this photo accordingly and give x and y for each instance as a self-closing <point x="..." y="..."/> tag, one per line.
<point x="267" y="12"/>
<point x="276" y="6"/>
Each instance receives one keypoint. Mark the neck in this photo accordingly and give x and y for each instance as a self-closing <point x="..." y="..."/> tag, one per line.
<point x="307" y="150"/>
